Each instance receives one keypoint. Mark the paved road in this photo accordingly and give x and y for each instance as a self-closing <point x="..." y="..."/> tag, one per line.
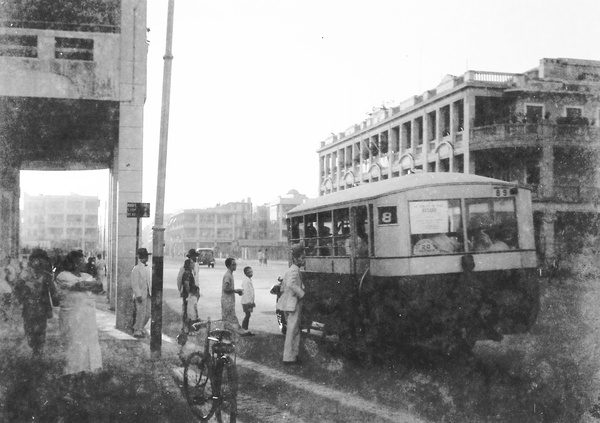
<point x="210" y="281"/>
<point x="332" y="404"/>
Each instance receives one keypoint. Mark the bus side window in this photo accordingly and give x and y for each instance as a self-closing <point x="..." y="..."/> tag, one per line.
<point x="297" y="228"/>
<point x="311" y="234"/>
<point x="362" y="232"/>
<point x="325" y="233"/>
<point x="341" y="235"/>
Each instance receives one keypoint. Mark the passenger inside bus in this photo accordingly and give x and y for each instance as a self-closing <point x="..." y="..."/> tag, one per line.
<point x="447" y="244"/>
<point x="437" y="244"/>
<point x="482" y="241"/>
<point x="311" y="231"/>
<point x="311" y="241"/>
<point x="342" y="241"/>
<point x="324" y="240"/>
<point x="362" y="238"/>
<point x="362" y="246"/>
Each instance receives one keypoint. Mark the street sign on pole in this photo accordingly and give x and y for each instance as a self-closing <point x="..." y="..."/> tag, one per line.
<point x="138" y="210"/>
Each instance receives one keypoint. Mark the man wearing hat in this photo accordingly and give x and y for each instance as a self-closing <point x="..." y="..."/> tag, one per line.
<point x="33" y="289"/>
<point x="141" y="289"/>
<point x="290" y="303"/>
<point x="193" y="256"/>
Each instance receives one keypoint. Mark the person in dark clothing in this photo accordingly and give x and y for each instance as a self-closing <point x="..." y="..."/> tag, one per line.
<point x="34" y="289"/>
<point x="90" y="267"/>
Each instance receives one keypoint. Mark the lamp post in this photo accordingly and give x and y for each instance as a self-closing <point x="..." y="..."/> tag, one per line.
<point x="158" y="234"/>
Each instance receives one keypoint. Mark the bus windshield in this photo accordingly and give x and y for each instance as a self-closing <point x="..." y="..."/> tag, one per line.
<point x="436" y="227"/>
<point x="492" y="224"/>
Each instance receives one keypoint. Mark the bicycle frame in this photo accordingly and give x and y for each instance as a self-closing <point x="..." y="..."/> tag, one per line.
<point x="212" y="363"/>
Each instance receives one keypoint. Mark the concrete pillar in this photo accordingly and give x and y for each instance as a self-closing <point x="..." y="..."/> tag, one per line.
<point x="112" y="245"/>
<point x="452" y="117"/>
<point x="413" y="137"/>
<point x="9" y="210"/>
<point x="129" y="162"/>
<point x="425" y="147"/>
<point x="321" y="171"/>
<point x="548" y="236"/>
<point x="547" y="171"/>
<point x="390" y="154"/>
<point x="468" y="118"/>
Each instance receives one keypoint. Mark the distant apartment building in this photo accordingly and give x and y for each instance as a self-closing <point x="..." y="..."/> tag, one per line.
<point x="217" y="227"/>
<point x="60" y="221"/>
<point x="540" y="128"/>
<point x="239" y="229"/>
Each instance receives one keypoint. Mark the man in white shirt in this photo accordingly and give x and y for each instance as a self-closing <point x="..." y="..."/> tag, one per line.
<point x="141" y="289"/>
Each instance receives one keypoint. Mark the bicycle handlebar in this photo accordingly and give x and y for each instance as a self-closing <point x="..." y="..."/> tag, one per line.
<point x="204" y="324"/>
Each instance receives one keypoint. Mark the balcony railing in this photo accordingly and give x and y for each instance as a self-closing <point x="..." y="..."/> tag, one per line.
<point x="495" y="77"/>
<point x="568" y="193"/>
<point x="576" y="193"/>
<point x="527" y="133"/>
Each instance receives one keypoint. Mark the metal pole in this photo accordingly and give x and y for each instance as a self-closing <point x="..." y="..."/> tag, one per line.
<point x="158" y="235"/>
<point x="137" y="239"/>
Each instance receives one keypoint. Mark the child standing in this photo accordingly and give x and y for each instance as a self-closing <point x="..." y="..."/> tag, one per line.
<point x="248" y="296"/>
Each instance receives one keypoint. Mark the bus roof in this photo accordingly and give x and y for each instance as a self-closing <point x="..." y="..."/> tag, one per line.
<point x="393" y="185"/>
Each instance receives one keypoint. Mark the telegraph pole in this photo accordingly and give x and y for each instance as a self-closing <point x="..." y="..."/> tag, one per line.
<point x="158" y="234"/>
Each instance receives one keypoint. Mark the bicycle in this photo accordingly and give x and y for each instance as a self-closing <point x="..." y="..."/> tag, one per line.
<point x="210" y="380"/>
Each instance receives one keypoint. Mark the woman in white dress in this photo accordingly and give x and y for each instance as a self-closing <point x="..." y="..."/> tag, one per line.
<point x="77" y="318"/>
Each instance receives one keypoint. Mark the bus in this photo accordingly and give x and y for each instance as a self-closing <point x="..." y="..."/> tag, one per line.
<point x="441" y="259"/>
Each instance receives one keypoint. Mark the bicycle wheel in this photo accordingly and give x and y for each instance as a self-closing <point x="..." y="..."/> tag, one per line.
<point x="196" y="385"/>
<point x="226" y="384"/>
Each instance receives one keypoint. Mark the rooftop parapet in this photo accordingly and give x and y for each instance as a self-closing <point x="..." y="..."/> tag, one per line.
<point x="491" y="77"/>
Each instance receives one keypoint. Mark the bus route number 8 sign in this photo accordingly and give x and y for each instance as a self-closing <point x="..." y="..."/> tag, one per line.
<point x="387" y="215"/>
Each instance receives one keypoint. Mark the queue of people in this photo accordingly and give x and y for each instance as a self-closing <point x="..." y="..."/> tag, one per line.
<point x="290" y="301"/>
<point x="70" y="285"/>
<point x="42" y="284"/>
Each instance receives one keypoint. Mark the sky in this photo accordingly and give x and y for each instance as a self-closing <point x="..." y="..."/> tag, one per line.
<point x="258" y="84"/>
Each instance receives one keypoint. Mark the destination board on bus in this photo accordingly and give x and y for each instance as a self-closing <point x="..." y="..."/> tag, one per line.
<point x="428" y="217"/>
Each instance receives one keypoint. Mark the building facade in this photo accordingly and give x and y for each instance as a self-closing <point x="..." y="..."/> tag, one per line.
<point x="60" y="222"/>
<point x="540" y="128"/>
<point x="277" y="226"/>
<point x="218" y="227"/>
<point x="237" y="229"/>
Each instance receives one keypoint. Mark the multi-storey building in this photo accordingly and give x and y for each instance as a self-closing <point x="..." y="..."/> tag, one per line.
<point x="278" y="212"/>
<point x="63" y="222"/>
<point x="217" y="227"/>
<point x="238" y="229"/>
<point x="540" y="128"/>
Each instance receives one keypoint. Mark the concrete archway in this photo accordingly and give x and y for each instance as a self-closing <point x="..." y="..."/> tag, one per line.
<point x="76" y="113"/>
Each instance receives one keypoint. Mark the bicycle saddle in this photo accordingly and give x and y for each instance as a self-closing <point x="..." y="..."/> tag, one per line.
<point x="221" y="334"/>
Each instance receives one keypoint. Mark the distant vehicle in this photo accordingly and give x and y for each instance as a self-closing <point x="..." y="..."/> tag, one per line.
<point x="206" y="256"/>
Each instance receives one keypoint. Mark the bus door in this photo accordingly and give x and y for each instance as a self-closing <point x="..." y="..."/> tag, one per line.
<point x="360" y="239"/>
